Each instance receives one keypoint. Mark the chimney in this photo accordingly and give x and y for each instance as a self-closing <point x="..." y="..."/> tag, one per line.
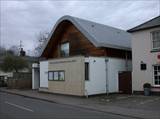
<point x="22" y="52"/>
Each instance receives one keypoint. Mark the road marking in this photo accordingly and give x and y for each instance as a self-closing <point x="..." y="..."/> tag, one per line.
<point x="18" y="106"/>
<point x="148" y="101"/>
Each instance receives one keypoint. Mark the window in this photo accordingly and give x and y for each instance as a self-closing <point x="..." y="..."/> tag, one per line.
<point x="50" y="75"/>
<point x="64" y="49"/>
<point x="156" y="40"/>
<point x="156" y="74"/>
<point x="61" y="75"/>
<point x="56" y="75"/>
<point x="86" y="71"/>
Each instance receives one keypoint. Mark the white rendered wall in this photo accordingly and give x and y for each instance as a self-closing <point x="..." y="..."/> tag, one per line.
<point x="97" y="76"/>
<point x="114" y="67"/>
<point x="44" y="74"/>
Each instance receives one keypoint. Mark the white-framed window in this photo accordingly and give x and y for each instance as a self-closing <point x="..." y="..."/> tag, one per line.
<point x="155" y="36"/>
<point x="156" y="75"/>
<point x="64" y="49"/>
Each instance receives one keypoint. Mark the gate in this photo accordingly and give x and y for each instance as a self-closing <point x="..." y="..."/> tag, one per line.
<point x="125" y="82"/>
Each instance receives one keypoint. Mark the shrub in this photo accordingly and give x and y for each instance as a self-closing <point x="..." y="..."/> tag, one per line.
<point x="146" y="85"/>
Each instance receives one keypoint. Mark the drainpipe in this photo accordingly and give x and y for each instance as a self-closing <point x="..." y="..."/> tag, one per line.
<point x="107" y="82"/>
<point x="86" y="93"/>
<point x="126" y="55"/>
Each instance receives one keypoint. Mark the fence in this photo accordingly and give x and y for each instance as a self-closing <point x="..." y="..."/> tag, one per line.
<point x="20" y="81"/>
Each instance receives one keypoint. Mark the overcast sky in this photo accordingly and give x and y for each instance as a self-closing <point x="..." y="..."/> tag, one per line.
<point x="23" y="20"/>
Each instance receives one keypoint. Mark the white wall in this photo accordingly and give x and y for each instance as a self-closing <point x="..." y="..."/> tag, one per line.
<point x="114" y="67"/>
<point x="97" y="76"/>
<point x="44" y="74"/>
<point x="35" y="76"/>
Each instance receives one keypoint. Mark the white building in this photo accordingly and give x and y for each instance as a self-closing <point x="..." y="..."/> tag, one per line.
<point x="146" y="55"/>
<point x="84" y="58"/>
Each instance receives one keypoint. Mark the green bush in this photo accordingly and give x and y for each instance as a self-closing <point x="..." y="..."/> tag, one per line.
<point x="13" y="63"/>
<point x="146" y="85"/>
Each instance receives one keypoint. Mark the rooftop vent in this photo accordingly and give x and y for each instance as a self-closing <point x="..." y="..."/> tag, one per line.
<point x="92" y="25"/>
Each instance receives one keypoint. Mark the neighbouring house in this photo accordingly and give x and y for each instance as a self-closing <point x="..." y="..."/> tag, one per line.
<point x="84" y="58"/>
<point x="146" y="55"/>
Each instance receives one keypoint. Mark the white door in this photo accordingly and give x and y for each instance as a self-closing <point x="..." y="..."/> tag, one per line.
<point x="44" y="74"/>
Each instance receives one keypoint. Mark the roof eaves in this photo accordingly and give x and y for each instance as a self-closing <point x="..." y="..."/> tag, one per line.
<point x="114" y="46"/>
<point x="136" y="28"/>
<point x="132" y="30"/>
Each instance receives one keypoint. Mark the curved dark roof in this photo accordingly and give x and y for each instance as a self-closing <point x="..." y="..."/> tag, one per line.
<point x="155" y="22"/>
<point x="100" y="35"/>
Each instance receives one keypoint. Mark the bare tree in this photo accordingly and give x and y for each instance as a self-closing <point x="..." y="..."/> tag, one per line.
<point x="14" y="49"/>
<point x="41" y="39"/>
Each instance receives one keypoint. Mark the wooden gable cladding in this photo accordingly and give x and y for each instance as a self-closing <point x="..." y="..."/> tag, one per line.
<point x="79" y="44"/>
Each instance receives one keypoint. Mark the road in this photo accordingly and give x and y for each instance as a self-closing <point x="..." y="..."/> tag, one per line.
<point x="19" y="107"/>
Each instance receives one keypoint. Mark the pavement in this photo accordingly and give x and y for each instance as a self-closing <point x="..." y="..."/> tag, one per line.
<point x="132" y="106"/>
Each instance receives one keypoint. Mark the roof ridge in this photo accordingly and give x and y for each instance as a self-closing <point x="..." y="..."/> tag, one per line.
<point x="97" y="23"/>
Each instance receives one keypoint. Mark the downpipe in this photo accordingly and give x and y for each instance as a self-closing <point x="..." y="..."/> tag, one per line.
<point x="107" y="82"/>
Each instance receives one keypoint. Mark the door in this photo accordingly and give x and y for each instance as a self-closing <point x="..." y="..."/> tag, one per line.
<point x="125" y="82"/>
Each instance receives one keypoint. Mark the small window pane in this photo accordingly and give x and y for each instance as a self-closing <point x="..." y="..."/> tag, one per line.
<point x="155" y="68"/>
<point x="156" y="82"/>
<point x="156" y="44"/>
<point x="156" y="39"/>
<point x="157" y="74"/>
<point x="61" y="75"/>
<point x="155" y="77"/>
<point x="158" y="68"/>
<point x="86" y="71"/>
<point x="55" y="75"/>
<point x="50" y="75"/>
<point x="64" y="49"/>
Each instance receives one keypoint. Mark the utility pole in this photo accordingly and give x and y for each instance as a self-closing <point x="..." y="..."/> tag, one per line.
<point x="21" y="45"/>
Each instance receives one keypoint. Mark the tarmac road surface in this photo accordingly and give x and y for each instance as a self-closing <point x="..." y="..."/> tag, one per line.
<point x="19" y="107"/>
